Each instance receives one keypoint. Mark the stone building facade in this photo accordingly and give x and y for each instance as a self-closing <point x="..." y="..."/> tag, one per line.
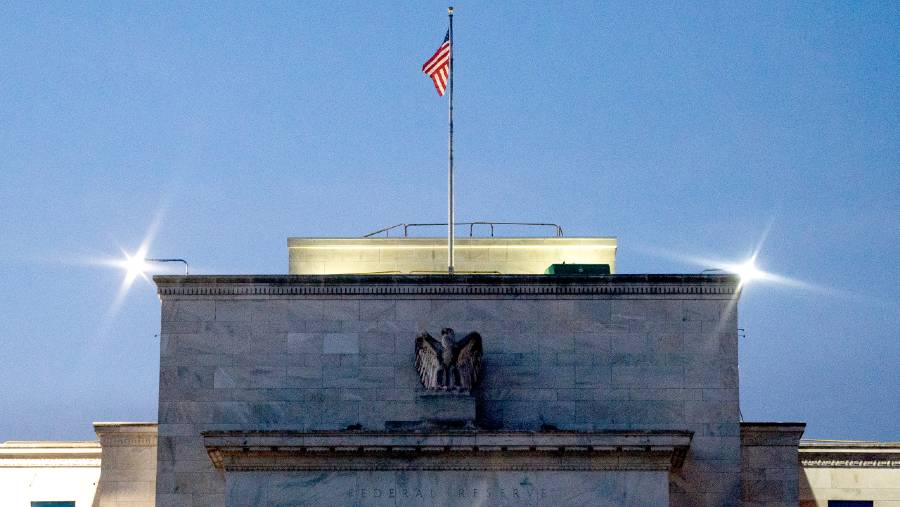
<point x="116" y="470"/>
<point x="852" y="471"/>
<point x="617" y="389"/>
<point x="302" y="389"/>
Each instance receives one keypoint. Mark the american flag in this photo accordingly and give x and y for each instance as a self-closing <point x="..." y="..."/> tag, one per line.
<point x="438" y="66"/>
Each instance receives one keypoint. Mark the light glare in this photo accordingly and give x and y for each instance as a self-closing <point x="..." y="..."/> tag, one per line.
<point x="748" y="271"/>
<point x="134" y="266"/>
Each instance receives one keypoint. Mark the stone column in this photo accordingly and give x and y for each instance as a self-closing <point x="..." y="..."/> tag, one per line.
<point x="128" y="465"/>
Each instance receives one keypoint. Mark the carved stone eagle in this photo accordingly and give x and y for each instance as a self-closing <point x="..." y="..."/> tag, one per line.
<point x="446" y="364"/>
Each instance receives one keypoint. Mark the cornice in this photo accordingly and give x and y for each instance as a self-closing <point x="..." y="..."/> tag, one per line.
<point x="33" y="462"/>
<point x="465" y="451"/>
<point x="349" y="286"/>
<point x="126" y="434"/>
<point x="136" y="440"/>
<point x="49" y="454"/>
<point x="867" y="461"/>
<point x="850" y="455"/>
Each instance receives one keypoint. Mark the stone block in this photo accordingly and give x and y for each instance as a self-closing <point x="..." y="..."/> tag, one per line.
<point x="630" y="343"/>
<point x="406" y="376"/>
<point x="374" y="342"/>
<point x="179" y="327"/>
<point x="184" y="378"/>
<point x="711" y="411"/>
<point x="374" y="414"/>
<point x="188" y="310"/>
<point x="702" y="343"/>
<point x="665" y="341"/>
<point x="376" y="376"/>
<point x="243" y="377"/>
<point x="379" y="394"/>
<point x="303" y="376"/>
<point x="335" y="415"/>
<point x="413" y="310"/>
<point x="511" y="359"/>
<point x="532" y="415"/>
<point x="710" y="371"/>
<point x="518" y="343"/>
<point x="376" y="310"/>
<point x="268" y="343"/>
<point x="215" y="500"/>
<point x="702" y="310"/>
<point x="239" y="310"/>
<point x="673" y="394"/>
<point x="593" y="310"/>
<point x="190" y="344"/>
<point x="592" y="393"/>
<point x="518" y="394"/>
<point x="344" y="309"/>
<point x="279" y="414"/>
<point x="395" y="360"/>
<point x="323" y="326"/>
<point x="572" y="359"/>
<point x="305" y="343"/>
<point x="634" y="312"/>
<point x="446" y="407"/>
<point x="593" y="375"/>
<point x="608" y="413"/>
<point x="246" y="489"/>
<point x="591" y="343"/>
<point x="648" y="376"/>
<point x="518" y="310"/>
<point x="725" y="394"/>
<point x="269" y="360"/>
<point x="341" y="343"/>
<point x="340" y="370"/>
<point x="552" y="376"/>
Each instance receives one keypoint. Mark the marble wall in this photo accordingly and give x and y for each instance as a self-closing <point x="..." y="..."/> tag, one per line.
<point x="450" y="489"/>
<point x="299" y="353"/>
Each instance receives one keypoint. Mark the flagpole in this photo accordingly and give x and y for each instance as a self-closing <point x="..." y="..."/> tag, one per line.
<point x="450" y="158"/>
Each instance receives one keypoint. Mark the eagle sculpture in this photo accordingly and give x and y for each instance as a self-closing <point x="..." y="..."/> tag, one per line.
<point x="446" y="364"/>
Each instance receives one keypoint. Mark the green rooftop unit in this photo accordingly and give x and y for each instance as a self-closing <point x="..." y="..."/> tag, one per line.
<point x="577" y="269"/>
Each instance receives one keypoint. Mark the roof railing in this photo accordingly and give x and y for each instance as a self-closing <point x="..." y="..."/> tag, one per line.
<point x="405" y="227"/>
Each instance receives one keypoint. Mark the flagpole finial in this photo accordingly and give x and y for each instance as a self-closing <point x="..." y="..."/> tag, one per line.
<point x="450" y="10"/>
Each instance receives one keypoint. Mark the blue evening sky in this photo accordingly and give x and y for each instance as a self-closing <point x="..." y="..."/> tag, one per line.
<point x="689" y="131"/>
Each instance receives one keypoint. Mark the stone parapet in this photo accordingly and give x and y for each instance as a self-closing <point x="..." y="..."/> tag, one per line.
<point x="423" y="255"/>
<point x="128" y="467"/>
<point x="29" y="454"/>
<point x="769" y="472"/>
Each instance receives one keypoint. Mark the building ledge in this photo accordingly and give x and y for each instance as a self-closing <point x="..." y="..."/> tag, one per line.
<point x="126" y="434"/>
<point x="849" y="454"/>
<point x="49" y="454"/>
<point x="771" y="433"/>
<point x="462" y="450"/>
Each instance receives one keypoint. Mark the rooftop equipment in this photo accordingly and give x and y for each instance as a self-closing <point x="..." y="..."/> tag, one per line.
<point x="577" y="269"/>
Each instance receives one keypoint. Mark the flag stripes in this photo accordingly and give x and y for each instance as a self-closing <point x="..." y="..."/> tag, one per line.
<point x="438" y="66"/>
